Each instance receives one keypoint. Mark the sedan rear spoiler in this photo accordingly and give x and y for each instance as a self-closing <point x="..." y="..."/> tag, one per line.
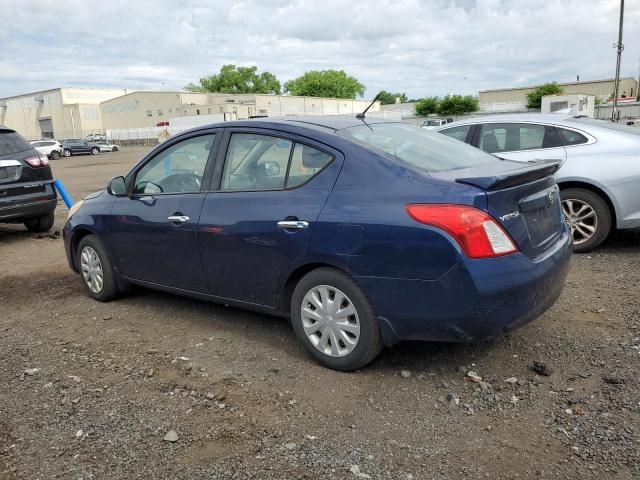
<point x="502" y="178"/>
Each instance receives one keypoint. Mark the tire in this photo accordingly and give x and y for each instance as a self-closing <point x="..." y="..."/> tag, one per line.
<point x="368" y="342"/>
<point x="597" y="217"/>
<point x="91" y="245"/>
<point x="55" y="155"/>
<point x="40" y="224"/>
<point x="115" y="149"/>
<point x="66" y="152"/>
<point x="95" y="151"/>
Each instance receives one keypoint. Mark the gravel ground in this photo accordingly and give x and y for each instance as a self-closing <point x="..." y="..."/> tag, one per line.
<point x="157" y="386"/>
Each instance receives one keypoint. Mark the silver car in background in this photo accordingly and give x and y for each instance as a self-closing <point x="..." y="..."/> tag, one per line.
<point x="599" y="178"/>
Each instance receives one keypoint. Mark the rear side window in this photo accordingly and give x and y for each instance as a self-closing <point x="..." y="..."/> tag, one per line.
<point x="12" y="142"/>
<point x="459" y="133"/>
<point x="263" y="162"/>
<point x="569" y="137"/>
<point x="306" y="162"/>
<point x="513" y="137"/>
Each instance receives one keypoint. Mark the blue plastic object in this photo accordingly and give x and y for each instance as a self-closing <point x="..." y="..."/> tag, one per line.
<point x="63" y="193"/>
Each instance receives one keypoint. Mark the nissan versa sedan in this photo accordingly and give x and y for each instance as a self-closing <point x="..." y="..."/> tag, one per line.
<point x="600" y="175"/>
<point x="364" y="233"/>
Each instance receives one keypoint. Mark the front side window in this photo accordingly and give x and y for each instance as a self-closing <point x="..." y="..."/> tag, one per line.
<point x="459" y="133"/>
<point x="512" y="137"/>
<point x="178" y="169"/>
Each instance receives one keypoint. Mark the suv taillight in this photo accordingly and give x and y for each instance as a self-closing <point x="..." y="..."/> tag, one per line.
<point x="37" y="161"/>
<point x="477" y="233"/>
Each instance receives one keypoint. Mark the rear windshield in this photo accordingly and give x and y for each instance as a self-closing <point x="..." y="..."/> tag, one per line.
<point x="421" y="148"/>
<point x="606" y="124"/>
<point x="12" y="142"/>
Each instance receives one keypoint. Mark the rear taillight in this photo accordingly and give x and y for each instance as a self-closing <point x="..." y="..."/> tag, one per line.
<point x="37" y="161"/>
<point x="477" y="233"/>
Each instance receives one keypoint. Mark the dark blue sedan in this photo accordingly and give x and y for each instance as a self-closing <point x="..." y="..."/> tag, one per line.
<point x="363" y="232"/>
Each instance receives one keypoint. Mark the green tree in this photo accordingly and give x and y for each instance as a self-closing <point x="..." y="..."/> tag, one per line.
<point x="388" y="98"/>
<point x="428" y="105"/>
<point x="458" y="104"/>
<point x="534" y="99"/>
<point x="235" y="80"/>
<point x="325" y="83"/>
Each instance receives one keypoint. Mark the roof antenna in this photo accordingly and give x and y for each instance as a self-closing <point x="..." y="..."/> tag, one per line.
<point x="361" y="115"/>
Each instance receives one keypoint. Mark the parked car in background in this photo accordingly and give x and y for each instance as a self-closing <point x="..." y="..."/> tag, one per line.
<point x="600" y="176"/>
<point x="77" y="146"/>
<point x="435" y="122"/>
<point x="96" y="137"/>
<point x="27" y="194"/>
<point x="51" y="148"/>
<point x="108" y="147"/>
<point x="364" y="233"/>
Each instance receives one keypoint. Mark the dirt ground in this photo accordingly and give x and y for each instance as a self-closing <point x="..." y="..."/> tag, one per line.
<point x="89" y="390"/>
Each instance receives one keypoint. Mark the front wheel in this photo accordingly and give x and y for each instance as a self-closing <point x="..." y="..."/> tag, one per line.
<point x="66" y="152"/>
<point x="96" y="271"/>
<point x="55" y="155"/>
<point x="588" y="216"/>
<point x="95" y="151"/>
<point x="335" y="321"/>
<point x="115" y="149"/>
<point x="40" y="224"/>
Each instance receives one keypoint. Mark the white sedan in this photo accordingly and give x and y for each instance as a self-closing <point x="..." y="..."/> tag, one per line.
<point x="108" y="147"/>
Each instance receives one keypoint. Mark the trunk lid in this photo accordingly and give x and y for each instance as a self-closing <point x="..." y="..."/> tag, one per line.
<point x="523" y="198"/>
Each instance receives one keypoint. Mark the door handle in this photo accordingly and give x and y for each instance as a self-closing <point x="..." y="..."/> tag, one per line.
<point x="293" y="224"/>
<point x="178" y="218"/>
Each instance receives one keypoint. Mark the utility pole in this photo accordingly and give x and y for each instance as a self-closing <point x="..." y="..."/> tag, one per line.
<point x="619" y="47"/>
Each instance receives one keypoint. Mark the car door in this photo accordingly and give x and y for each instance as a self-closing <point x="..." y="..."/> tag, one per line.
<point x="258" y="223"/>
<point x="522" y="142"/>
<point x="154" y="230"/>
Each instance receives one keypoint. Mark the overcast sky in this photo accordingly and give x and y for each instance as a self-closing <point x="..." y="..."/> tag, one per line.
<point x="422" y="48"/>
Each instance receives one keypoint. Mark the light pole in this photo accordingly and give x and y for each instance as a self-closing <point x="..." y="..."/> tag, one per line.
<point x="619" y="47"/>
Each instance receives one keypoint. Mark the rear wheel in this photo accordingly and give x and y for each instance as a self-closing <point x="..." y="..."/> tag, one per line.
<point x="335" y="321"/>
<point x="66" y="152"/>
<point x="40" y="224"/>
<point x="95" y="151"/>
<point x="588" y="216"/>
<point x="96" y="271"/>
<point x="55" y="155"/>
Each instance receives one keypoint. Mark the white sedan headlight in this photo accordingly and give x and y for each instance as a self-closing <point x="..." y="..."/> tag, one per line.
<point x="74" y="208"/>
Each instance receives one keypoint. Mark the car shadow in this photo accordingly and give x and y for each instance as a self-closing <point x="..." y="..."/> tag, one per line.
<point x="621" y="240"/>
<point x="277" y="332"/>
<point x="10" y="233"/>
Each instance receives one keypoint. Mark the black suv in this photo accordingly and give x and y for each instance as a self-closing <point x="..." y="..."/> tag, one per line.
<point x="27" y="194"/>
<point x="77" y="146"/>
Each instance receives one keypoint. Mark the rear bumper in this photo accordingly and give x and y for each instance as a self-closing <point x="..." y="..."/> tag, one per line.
<point x="474" y="301"/>
<point x="19" y="211"/>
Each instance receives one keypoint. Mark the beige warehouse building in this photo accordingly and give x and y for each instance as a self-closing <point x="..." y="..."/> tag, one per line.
<point x="77" y="112"/>
<point x="515" y="99"/>
<point x="146" y="109"/>
<point x="57" y="113"/>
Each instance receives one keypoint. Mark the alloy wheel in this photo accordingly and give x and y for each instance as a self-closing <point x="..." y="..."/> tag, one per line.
<point x="330" y="321"/>
<point x="582" y="219"/>
<point x="91" y="269"/>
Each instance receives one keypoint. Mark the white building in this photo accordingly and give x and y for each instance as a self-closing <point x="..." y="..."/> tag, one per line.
<point x="57" y="113"/>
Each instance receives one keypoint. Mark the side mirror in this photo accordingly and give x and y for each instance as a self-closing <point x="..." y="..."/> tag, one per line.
<point x="117" y="187"/>
<point x="270" y="169"/>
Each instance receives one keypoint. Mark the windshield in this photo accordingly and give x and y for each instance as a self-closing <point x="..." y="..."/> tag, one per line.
<point x="432" y="123"/>
<point x="606" y="124"/>
<point x="432" y="152"/>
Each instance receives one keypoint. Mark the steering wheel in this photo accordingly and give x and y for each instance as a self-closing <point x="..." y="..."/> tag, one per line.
<point x="181" y="182"/>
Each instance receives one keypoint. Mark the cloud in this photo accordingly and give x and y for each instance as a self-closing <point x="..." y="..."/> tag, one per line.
<point x="418" y="47"/>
